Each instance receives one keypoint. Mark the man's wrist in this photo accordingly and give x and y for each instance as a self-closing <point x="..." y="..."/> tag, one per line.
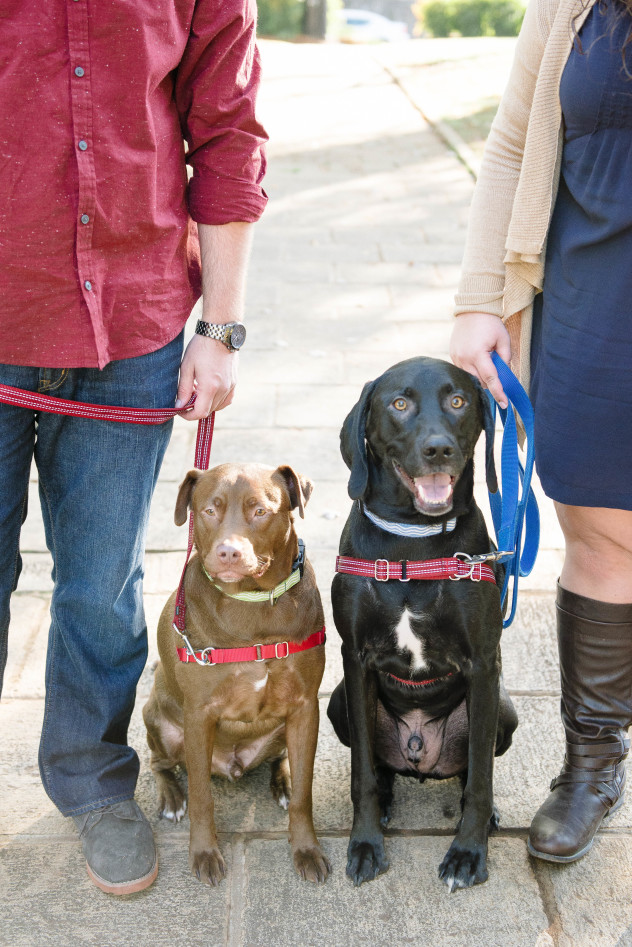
<point x="230" y="334"/>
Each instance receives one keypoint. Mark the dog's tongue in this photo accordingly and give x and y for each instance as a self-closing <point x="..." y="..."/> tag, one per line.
<point x="434" y="489"/>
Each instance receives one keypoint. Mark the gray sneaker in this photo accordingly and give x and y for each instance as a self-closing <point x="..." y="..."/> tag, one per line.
<point x="119" y="847"/>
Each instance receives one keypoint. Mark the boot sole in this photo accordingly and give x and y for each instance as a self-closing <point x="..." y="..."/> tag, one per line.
<point x="566" y="859"/>
<point x="126" y="887"/>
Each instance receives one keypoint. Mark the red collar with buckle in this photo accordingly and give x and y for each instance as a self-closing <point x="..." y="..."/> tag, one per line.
<point x="258" y="652"/>
<point x="457" y="568"/>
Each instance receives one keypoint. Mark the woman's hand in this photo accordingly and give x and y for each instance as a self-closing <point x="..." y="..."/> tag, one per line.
<point x="474" y="337"/>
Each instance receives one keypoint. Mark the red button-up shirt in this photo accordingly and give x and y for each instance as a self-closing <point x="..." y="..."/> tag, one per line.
<point x="98" y="250"/>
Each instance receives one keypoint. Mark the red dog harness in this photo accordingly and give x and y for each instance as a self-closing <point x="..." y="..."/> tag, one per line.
<point x="460" y="566"/>
<point x="257" y="652"/>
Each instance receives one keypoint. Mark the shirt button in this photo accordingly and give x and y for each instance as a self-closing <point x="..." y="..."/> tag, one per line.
<point x="79" y="71"/>
<point x="88" y="285"/>
<point x="85" y="219"/>
<point x="83" y="145"/>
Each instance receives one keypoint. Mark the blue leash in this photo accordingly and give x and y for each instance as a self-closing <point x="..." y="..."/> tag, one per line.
<point x="515" y="510"/>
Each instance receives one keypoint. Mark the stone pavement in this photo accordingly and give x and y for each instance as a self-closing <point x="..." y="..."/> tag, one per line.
<point x="354" y="267"/>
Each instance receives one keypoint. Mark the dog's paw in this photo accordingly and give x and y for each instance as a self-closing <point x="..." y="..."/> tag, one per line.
<point x="464" y="866"/>
<point x="208" y="866"/>
<point x="366" y="860"/>
<point x="172" y="803"/>
<point x="281" y="782"/>
<point x="494" y="822"/>
<point x="311" y="864"/>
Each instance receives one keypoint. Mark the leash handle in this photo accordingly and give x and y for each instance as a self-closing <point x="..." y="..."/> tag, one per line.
<point x="515" y="511"/>
<point x="80" y="409"/>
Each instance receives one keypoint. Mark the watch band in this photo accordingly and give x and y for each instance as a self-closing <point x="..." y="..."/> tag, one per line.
<point x="230" y="334"/>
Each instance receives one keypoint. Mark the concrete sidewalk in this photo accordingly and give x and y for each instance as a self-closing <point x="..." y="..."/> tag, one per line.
<point x="354" y="267"/>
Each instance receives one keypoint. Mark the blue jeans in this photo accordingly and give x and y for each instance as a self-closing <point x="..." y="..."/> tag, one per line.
<point x="96" y="480"/>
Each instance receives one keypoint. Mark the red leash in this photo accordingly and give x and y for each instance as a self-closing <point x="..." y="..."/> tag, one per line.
<point x="202" y="457"/>
<point x="78" y="409"/>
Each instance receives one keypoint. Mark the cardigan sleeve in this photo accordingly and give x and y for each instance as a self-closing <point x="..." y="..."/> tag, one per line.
<point x="482" y="283"/>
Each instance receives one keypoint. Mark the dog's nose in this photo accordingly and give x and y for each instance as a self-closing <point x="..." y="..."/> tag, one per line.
<point x="415" y="746"/>
<point x="437" y="448"/>
<point x="227" y="553"/>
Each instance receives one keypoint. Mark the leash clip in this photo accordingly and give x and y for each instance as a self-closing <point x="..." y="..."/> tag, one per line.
<point x="474" y="562"/>
<point x="204" y="659"/>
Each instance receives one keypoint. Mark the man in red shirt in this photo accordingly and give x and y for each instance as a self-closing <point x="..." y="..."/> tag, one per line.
<point x="99" y="268"/>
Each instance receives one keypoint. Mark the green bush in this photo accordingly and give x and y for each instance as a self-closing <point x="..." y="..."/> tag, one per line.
<point x="472" y="17"/>
<point x="282" y="18"/>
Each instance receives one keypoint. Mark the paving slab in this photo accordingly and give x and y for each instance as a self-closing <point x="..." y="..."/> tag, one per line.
<point x="406" y="905"/>
<point x="42" y="906"/>
<point x="592" y="895"/>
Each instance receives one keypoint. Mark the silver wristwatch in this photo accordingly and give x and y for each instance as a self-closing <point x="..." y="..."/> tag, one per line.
<point x="230" y="334"/>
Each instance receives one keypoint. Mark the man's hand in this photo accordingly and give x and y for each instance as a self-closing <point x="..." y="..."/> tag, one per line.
<point x="209" y="370"/>
<point x="474" y="337"/>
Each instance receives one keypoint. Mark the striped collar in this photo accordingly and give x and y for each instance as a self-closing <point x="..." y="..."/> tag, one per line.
<point x="408" y="529"/>
<point x="262" y="596"/>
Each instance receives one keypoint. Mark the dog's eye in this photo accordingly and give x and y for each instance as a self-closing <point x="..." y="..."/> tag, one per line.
<point x="457" y="401"/>
<point x="400" y="404"/>
<point x="210" y="511"/>
<point x="260" y="511"/>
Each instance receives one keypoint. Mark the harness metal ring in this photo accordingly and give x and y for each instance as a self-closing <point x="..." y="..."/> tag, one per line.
<point x="287" y="649"/>
<point x="259" y="650"/>
<point x="204" y="658"/>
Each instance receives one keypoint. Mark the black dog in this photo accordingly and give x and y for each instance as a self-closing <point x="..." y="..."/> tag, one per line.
<point x="422" y="693"/>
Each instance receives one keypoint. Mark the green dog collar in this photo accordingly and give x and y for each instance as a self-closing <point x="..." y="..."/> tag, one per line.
<point x="262" y="596"/>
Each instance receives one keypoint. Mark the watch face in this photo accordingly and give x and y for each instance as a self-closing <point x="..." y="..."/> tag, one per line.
<point x="238" y="335"/>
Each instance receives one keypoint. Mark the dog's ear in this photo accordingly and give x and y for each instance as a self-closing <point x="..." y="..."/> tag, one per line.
<point x="353" y="444"/>
<point x="490" y="429"/>
<point x="184" y="496"/>
<point x="299" y="488"/>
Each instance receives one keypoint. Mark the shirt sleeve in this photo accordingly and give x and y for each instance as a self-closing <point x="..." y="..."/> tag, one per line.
<point x="216" y="89"/>
<point x="482" y="284"/>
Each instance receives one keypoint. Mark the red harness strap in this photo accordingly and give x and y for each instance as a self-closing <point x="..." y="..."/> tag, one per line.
<point x="258" y="652"/>
<point x="382" y="570"/>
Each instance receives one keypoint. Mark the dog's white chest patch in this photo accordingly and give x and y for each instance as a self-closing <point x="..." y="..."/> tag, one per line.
<point x="259" y="685"/>
<point x="407" y="640"/>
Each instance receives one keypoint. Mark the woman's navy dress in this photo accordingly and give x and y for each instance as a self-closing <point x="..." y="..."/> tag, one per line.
<point x="582" y="342"/>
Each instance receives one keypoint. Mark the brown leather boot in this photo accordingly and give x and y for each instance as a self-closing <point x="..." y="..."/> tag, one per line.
<point x="595" y="646"/>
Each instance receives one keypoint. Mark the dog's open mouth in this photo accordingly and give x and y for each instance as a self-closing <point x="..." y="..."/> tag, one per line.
<point x="432" y="493"/>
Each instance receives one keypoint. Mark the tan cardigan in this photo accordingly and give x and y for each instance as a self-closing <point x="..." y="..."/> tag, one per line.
<point x="503" y="266"/>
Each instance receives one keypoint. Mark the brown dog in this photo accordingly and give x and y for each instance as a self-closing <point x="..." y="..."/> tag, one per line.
<point x="225" y="719"/>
